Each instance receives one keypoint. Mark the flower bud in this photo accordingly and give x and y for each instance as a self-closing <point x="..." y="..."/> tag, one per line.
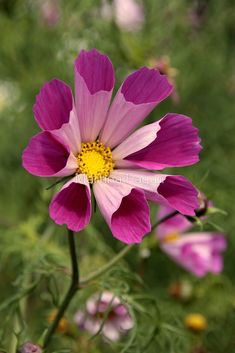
<point x="29" y="347"/>
<point x="181" y="290"/>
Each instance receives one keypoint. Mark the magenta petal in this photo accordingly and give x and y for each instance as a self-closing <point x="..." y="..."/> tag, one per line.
<point x="94" y="81"/>
<point x="178" y="193"/>
<point x="146" y="86"/>
<point x="96" y="69"/>
<point x="172" y="191"/>
<point x="132" y="215"/>
<point x="53" y="105"/>
<point x="125" y="209"/>
<point x="72" y="205"/>
<point x="46" y="156"/>
<point x="136" y="98"/>
<point x="176" y="145"/>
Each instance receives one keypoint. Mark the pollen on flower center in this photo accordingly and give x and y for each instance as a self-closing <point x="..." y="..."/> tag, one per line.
<point x="95" y="160"/>
<point x="171" y="237"/>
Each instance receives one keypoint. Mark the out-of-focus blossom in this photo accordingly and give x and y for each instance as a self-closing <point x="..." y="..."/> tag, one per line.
<point x="145" y="253"/>
<point x="63" y="326"/>
<point x="163" y="64"/>
<point x="181" y="290"/>
<point x="197" y="252"/>
<point x="107" y="314"/>
<point x="197" y="12"/>
<point x="128" y="14"/>
<point x="8" y="94"/>
<point x="94" y="143"/>
<point x="50" y="12"/>
<point x="29" y="347"/>
<point x="195" y="322"/>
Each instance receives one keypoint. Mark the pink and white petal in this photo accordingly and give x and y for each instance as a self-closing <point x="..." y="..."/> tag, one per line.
<point x="94" y="81"/>
<point x="92" y="304"/>
<point x="69" y="133"/>
<point x="108" y="297"/>
<point x="136" y="141"/>
<point x="173" y="191"/>
<point x="46" y="156"/>
<point x="176" y="144"/>
<point x="176" y="224"/>
<point x="125" y="210"/>
<point x="92" y="325"/>
<point x="139" y="94"/>
<point x="111" y="331"/>
<point x="186" y="256"/>
<point x="53" y="105"/>
<point x="72" y="204"/>
<point x="80" y="318"/>
<point x="216" y="242"/>
<point x="126" y="323"/>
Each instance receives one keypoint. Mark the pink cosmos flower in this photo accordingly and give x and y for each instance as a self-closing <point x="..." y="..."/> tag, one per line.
<point x="128" y="14"/>
<point x="50" y="12"/>
<point x="197" y="252"/>
<point x="105" y="312"/>
<point x="93" y="142"/>
<point x="29" y="347"/>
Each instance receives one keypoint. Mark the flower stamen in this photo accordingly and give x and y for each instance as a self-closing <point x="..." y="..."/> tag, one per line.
<point x="171" y="237"/>
<point x="95" y="160"/>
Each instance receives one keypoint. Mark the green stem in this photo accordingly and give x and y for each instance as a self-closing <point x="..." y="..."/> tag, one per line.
<point x="13" y="340"/>
<point x="106" y="267"/>
<point x="69" y="295"/>
<point x="76" y="284"/>
<point x="121" y="254"/>
<point x="165" y="218"/>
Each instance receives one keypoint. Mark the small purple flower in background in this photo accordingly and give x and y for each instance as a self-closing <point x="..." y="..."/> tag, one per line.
<point x="198" y="12"/>
<point x="106" y="313"/>
<point x="93" y="142"/>
<point x="197" y="252"/>
<point x="50" y="12"/>
<point x="29" y="347"/>
<point x="128" y="14"/>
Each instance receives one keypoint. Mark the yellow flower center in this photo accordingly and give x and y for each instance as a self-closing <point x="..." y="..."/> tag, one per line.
<point x="171" y="237"/>
<point x="95" y="160"/>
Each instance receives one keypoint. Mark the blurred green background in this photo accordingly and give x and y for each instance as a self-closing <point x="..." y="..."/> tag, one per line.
<point x="39" y="42"/>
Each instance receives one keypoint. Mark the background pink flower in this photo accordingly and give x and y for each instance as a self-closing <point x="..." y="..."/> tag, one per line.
<point x="128" y="14"/>
<point x="95" y="143"/>
<point x="197" y="252"/>
<point x="106" y="307"/>
<point x="29" y="347"/>
<point x="50" y="12"/>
